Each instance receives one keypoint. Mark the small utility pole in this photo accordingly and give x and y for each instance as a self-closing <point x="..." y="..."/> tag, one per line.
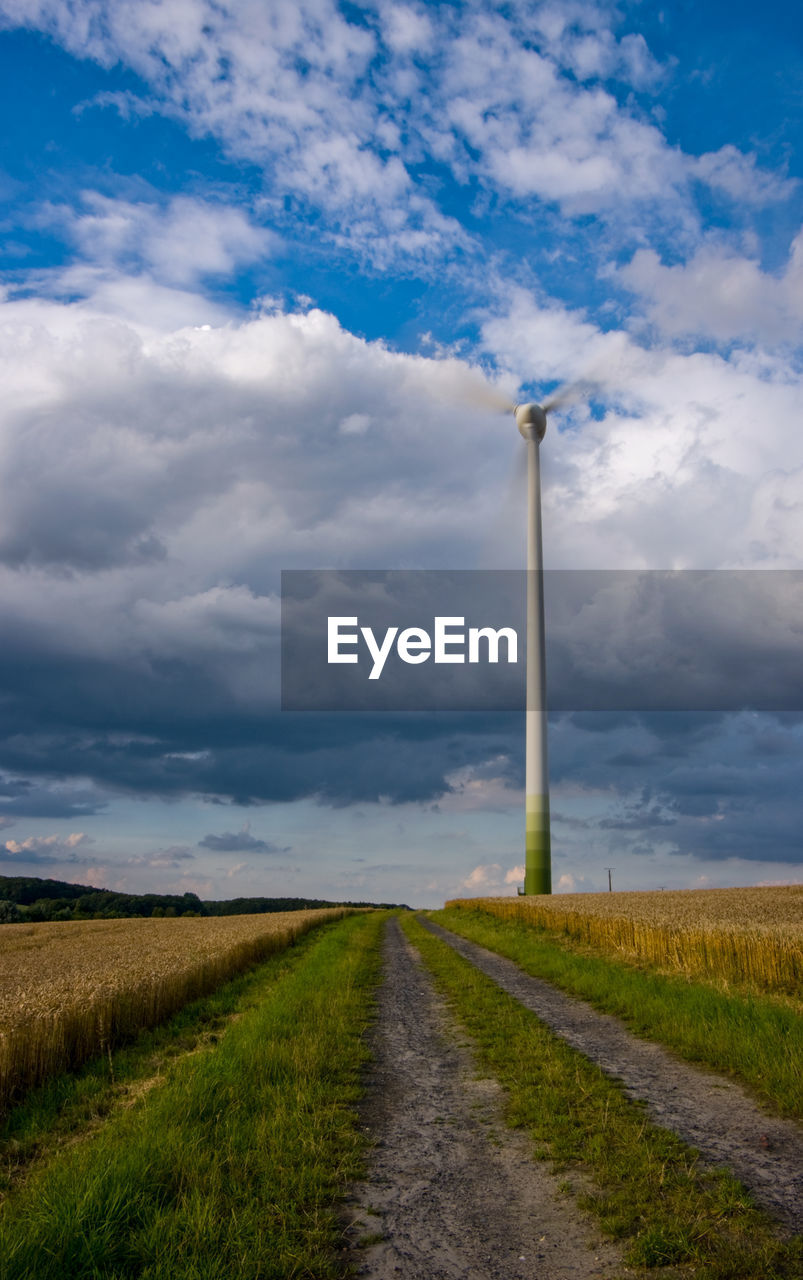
<point x="610" y="886"/>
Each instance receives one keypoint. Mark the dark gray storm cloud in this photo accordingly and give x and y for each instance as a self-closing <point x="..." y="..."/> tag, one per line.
<point x="27" y="857"/>
<point x="24" y="798"/>
<point x="240" y="842"/>
<point x="709" y="785"/>
<point x="88" y="486"/>
<point x="172" y="857"/>
<point x="615" y="639"/>
<point x="714" y="786"/>
<point x="339" y="759"/>
<point x="191" y="710"/>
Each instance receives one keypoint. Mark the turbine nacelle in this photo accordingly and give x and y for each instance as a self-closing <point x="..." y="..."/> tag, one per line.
<point x="531" y="420"/>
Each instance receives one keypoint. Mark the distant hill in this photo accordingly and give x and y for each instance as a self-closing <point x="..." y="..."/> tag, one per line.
<point x="27" y="898"/>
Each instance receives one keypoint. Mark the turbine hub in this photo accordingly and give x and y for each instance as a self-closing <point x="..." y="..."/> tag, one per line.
<point x="530" y="420"/>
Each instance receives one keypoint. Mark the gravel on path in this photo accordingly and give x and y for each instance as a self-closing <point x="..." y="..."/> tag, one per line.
<point x="454" y="1194"/>
<point x="712" y="1113"/>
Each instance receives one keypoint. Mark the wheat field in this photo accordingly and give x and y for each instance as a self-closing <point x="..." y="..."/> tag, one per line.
<point x="746" y="936"/>
<point x="69" y="990"/>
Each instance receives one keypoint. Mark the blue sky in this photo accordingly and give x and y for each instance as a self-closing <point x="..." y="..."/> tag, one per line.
<point x="252" y="253"/>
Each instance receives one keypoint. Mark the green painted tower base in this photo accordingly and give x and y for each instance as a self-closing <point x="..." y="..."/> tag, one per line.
<point x="537" y="847"/>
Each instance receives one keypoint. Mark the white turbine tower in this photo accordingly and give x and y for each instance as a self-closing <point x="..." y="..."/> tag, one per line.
<point x="531" y="421"/>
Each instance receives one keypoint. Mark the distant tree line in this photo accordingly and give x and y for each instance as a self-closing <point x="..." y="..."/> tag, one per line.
<point x="29" y="899"/>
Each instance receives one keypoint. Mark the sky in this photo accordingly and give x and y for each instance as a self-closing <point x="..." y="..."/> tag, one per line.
<point x="263" y="264"/>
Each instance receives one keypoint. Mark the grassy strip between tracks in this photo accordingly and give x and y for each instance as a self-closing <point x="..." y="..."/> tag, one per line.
<point x="647" y="1191"/>
<point x="233" y="1164"/>
<point x="755" y="1038"/>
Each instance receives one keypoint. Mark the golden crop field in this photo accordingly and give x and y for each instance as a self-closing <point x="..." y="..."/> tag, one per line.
<point x="752" y="936"/>
<point x="69" y="990"/>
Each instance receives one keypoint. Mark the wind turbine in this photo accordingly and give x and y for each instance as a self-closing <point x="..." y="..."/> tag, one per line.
<point x="531" y="422"/>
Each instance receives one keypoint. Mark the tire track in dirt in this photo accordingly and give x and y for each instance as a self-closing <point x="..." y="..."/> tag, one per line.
<point x="455" y="1194"/>
<point x="714" y="1114"/>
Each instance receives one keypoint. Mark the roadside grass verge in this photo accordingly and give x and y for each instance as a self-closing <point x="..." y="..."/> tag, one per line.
<point x="752" y="1037"/>
<point x="67" y="1107"/>
<point x="750" y="937"/>
<point x="233" y="1165"/>
<point x="648" y="1190"/>
<point x="72" y="989"/>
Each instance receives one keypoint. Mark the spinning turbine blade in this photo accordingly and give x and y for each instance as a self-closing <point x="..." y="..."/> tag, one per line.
<point x="458" y="383"/>
<point x="568" y="394"/>
<point x="475" y="390"/>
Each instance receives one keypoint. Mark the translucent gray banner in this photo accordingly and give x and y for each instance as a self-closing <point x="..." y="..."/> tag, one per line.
<point x="625" y="640"/>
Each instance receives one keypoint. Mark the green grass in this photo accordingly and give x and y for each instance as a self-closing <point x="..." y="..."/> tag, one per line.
<point x="647" y="1188"/>
<point x="68" y="1106"/>
<point x="755" y="1038"/>
<point x="230" y="1167"/>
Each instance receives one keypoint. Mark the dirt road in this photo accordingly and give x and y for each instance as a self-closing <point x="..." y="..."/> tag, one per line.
<point x="454" y="1194"/>
<point x="710" y="1112"/>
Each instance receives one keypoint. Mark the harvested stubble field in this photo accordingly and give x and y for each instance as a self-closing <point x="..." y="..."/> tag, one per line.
<point x="74" y="989"/>
<point x="747" y="936"/>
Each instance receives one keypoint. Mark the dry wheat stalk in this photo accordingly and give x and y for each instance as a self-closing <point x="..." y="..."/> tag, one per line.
<point x="752" y="936"/>
<point x="69" y="990"/>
